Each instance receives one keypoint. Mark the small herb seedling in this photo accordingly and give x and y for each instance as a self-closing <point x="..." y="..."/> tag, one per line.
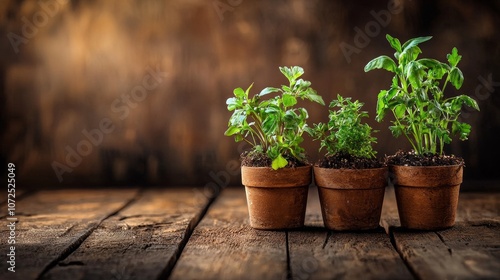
<point x="345" y="133"/>
<point x="273" y="126"/>
<point x="416" y="97"/>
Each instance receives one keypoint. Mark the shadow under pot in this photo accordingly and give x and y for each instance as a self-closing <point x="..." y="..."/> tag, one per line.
<point x="427" y="196"/>
<point x="351" y="199"/>
<point x="276" y="198"/>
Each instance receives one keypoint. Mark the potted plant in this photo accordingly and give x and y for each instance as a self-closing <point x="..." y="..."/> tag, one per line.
<point x="351" y="180"/>
<point x="275" y="171"/>
<point x="426" y="180"/>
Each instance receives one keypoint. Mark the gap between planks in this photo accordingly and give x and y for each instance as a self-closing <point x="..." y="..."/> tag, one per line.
<point x="224" y="246"/>
<point x="142" y="241"/>
<point x="76" y="244"/>
<point x="51" y="223"/>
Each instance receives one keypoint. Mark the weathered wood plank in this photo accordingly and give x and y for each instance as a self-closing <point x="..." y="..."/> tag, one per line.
<point x="224" y="246"/>
<point x="313" y="210"/>
<point x="51" y="224"/>
<point x="140" y="242"/>
<point x="316" y="253"/>
<point x="389" y="215"/>
<point x="478" y="207"/>
<point x="465" y="251"/>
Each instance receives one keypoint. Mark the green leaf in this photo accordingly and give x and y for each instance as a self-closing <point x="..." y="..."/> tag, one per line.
<point x="414" y="42"/>
<point x="289" y="100"/>
<point x="232" y="103"/>
<point x="268" y="90"/>
<point x="454" y="58"/>
<point x="238" y="138"/>
<point x="248" y="90"/>
<point x="430" y="63"/>
<point x="292" y="73"/>
<point x="272" y="109"/>
<point x="421" y="94"/>
<point x="462" y="129"/>
<point x="437" y="73"/>
<point x="239" y="92"/>
<point x="315" y="98"/>
<point x="411" y="54"/>
<point x="392" y="93"/>
<point x="297" y="71"/>
<point x="291" y="119"/>
<point x="394" y="42"/>
<point x="302" y="86"/>
<point x="469" y="102"/>
<point x="413" y="74"/>
<point x="456" y="78"/>
<point x="279" y="162"/>
<point x="381" y="62"/>
<point x="238" y="117"/>
<point x="232" y="130"/>
<point x="311" y="131"/>
<point x="287" y="72"/>
<point x="270" y="124"/>
<point x="399" y="111"/>
<point x="444" y="135"/>
<point x="381" y="105"/>
<point x="396" y="130"/>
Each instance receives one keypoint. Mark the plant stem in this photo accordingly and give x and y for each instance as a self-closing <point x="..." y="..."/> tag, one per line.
<point x="260" y="135"/>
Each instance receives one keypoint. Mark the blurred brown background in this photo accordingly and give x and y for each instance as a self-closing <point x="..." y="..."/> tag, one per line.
<point x="133" y="92"/>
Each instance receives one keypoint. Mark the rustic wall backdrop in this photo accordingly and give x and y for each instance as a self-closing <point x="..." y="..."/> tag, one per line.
<point x="133" y="92"/>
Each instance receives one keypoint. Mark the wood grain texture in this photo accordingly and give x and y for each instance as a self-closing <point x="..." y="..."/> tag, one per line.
<point x="478" y="207"/>
<point x="51" y="224"/>
<point x="465" y="251"/>
<point x="316" y="253"/>
<point x="224" y="246"/>
<point x="141" y="242"/>
<point x="389" y="215"/>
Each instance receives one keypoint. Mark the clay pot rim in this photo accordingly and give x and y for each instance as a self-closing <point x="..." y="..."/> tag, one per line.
<point x="359" y="189"/>
<point x="351" y="179"/>
<point x="266" y="177"/>
<point x="270" y="168"/>
<point x="426" y="167"/>
<point x="427" y="176"/>
<point x="350" y="169"/>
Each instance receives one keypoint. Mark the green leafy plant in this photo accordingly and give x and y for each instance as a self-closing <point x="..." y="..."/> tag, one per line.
<point x="345" y="133"/>
<point x="416" y="97"/>
<point x="273" y="126"/>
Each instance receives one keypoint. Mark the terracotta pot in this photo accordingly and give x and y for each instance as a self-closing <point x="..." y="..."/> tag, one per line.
<point x="351" y="199"/>
<point x="427" y="196"/>
<point x="276" y="198"/>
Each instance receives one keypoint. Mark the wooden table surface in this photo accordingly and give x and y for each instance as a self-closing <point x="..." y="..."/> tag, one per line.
<point x="183" y="233"/>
